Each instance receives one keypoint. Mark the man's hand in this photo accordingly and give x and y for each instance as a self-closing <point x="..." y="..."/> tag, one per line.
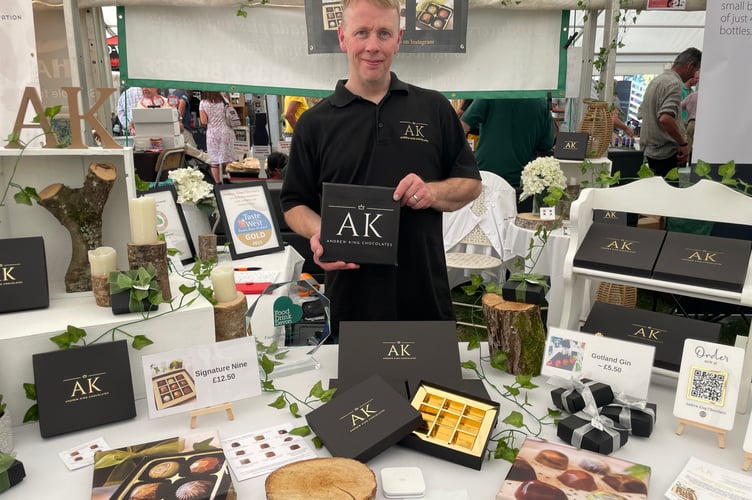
<point x="683" y="154"/>
<point x="318" y="251"/>
<point x="413" y="192"/>
<point x="443" y="196"/>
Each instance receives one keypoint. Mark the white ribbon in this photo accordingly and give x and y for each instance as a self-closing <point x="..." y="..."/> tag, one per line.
<point x="600" y="423"/>
<point x="579" y="385"/>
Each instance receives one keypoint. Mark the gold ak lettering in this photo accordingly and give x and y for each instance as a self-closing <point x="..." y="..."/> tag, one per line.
<point x="414" y="130"/>
<point x="348" y="223"/>
<point x="361" y="414"/>
<point x="398" y="353"/>
<point x="648" y="333"/>
<point x="624" y="245"/>
<point x="570" y="145"/>
<point x="703" y="256"/>
<point x="610" y="215"/>
<point x="7" y="276"/>
<point x="79" y="389"/>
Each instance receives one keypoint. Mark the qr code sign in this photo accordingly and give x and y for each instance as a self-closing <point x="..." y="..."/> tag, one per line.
<point x="708" y="386"/>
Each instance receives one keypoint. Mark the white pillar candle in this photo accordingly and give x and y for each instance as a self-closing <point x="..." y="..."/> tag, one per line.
<point x="102" y="260"/>
<point x="143" y="214"/>
<point x="223" y="283"/>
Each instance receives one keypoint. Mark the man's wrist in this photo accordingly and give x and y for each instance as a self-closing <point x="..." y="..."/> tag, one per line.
<point x="684" y="145"/>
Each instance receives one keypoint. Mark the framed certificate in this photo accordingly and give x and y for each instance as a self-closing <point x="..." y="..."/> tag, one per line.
<point x="171" y="222"/>
<point x="248" y="218"/>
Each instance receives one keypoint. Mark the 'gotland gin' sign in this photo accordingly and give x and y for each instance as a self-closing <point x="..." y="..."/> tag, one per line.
<point x="359" y="224"/>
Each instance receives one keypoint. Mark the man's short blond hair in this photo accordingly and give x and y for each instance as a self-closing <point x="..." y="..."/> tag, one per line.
<point x="386" y="4"/>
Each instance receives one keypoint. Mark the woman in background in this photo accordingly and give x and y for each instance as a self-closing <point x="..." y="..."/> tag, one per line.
<point x="219" y="136"/>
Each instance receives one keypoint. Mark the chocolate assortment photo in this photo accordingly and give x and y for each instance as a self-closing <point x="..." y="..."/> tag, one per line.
<point x="434" y="16"/>
<point x="332" y="15"/>
<point x="173" y="388"/>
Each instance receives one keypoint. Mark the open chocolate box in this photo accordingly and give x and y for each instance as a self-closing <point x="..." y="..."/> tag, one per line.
<point x="173" y="388"/>
<point x="332" y="14"/>
<point x="456" y="425"/>
<point x="434" y="16"/>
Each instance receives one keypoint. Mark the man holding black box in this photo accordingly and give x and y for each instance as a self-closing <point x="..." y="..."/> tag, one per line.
<point x="377" y="130"/>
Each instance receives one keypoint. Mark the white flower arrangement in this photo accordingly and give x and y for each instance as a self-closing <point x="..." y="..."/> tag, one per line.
<point x="191" y="186"/>
<point x="541" y="174"/>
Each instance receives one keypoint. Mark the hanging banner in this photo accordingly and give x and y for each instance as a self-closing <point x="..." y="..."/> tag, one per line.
<point x="427" y="26"/>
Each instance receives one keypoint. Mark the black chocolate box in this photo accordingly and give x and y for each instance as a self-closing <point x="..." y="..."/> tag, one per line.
<point x="572" y="402"/>
<point x="640" y="422"/>
<point x="620" y="249"/>
<point x="401" y="352"/>
<point x="83" y="387"/>
<point x="707" y="261"/>
<point x="23" y="274"/>
<point x="666" y="332"/>
<point x="610" y="217"/>
<point x="12" y="476"/>
<point x="594" y="439"/>
<point x="571" y="145"/>
<point x="364" y="420"/>
<point x="456" y="425"/>
<point x="359" y="224"/>
<point x="525" y="291"/>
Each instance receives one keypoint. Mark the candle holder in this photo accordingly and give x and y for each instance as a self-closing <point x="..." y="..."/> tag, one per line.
<point x="101" y="288"/>
<point x="207" y="247"/>
<point x="229" y="318"/>
<point x="141" y="255"/>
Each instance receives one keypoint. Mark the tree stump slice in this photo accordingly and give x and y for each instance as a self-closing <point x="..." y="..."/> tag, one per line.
<point x="517" y="329"/>
<point x="322" y="479"/>
<point x="531" y="221"/>
<point x="100" y="285"/>
<point x="156" y="255"/>
<point x="79" y="210"/>
<point x="229" y="318"/>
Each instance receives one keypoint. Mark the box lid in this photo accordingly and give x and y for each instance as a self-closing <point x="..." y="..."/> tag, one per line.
<point x="620" y="249"/>
<point x="364" y="420"/>
<point x="610" y="217"/>
<point x="702" y="260"/>
<point x="23" y="274"/>
<point x="359" y="224"/>
<point x="571" y="145"/>
<point x="666" y="332"/>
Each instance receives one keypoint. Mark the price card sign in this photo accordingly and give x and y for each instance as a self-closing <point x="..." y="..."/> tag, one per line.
<point x="625" y="366"/>
<point x="186" y="379"/>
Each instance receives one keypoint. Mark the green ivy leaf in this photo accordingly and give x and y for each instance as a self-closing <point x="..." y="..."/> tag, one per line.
<point x="267" y="364"/>
<point x="203" y="445"/>
<point x="473" y="343"/>
<point x="281" y="354"/>
<point x="303" y="431"/>
<point x="525" y="381"/>
<point x="504" y="452"/>
<point x="645" y="172"/>
<point x="140" y="341"/>
<point x="63" y="340"/>
<point x="294" y="410"/>
<point x="672" y="174"/>
<point x="279" y="403"/>
<point x="52" y="111"/>
<point x="499" y="360"/>
<point x="30" y="390"/>
<point x="514" y="391"/>
<point x="32" y="414"/>
<point x="702" y="169"/>
<point x="273" y="347"/>
<point x="317" y="443"/>
<point x="554" y="413"/>
<point x="268" y="385"/>
<point x="327" y="395"/>
<point x="470" y="365"/>
<point x="22" y="198"/>
<point x="317" y="390"/>
<point x="185" y="289"/>
<point x="514" y="419"/>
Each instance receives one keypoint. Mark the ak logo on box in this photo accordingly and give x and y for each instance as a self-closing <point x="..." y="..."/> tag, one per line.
<point x="23" y="274"/>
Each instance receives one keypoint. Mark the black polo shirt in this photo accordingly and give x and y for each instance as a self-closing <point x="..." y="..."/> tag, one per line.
<point x="349" y="140"/>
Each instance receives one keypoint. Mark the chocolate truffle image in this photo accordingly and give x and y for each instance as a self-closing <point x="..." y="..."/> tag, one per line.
<point x="521" y="471"/>
<point x="577" y="479"/>
<point x="625" y="483"/>
<point x="205" y="464"/>
<point x="552" y="458"/>
<point x="536" y="490"/>
<point x="595" y="466"/>
<point x="164" y="470"/>
<point x="193" y="490"/>
<point x="146" y="491"/>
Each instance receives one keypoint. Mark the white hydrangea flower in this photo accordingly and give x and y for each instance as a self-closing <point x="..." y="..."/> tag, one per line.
<point x="540" y="174"/>
<point x="191" y="186"/>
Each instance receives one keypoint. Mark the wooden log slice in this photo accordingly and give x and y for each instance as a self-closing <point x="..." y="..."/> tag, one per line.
<point x="322" y="479"/>
<point x="531" y="221"/>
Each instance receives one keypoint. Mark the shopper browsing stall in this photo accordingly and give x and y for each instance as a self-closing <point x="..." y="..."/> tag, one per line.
<point x="378" y="130"/>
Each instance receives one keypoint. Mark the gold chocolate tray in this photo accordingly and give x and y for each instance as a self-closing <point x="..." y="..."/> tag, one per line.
<point x="173" y="388"/>
<point x="453" y="421"/>
<point x="186" y="475"/>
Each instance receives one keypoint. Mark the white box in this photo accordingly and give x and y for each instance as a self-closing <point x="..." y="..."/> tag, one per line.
<point x="155" y="115"/>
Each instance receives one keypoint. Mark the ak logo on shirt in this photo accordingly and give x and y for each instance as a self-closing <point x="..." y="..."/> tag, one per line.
<point x="413" y="131"/>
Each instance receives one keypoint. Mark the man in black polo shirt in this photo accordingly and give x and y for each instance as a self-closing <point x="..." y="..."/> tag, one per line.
<point x="377" y="130"/>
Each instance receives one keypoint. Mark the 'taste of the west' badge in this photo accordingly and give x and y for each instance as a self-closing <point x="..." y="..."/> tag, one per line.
<point x="253" y="228"/>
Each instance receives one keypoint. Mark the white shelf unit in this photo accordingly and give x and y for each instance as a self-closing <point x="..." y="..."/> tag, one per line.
<point x="39" y="168"/>
<point x="705" y="200"/>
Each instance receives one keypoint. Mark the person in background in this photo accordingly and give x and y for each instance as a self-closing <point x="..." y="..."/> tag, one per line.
<point x="219" y="136"/>
<point x="687" y="89"/>
<point x="128" y="100"/>
<point x="377" y="130"/>
<point x="662" y="135"/>
<point x="616" y="114"/>
<point x="183" y="105"/>
<point x="294" y="107"/>
<point x="689" y="106"/>
<point x="511" y="132"/>
<point x="275" y="164"/>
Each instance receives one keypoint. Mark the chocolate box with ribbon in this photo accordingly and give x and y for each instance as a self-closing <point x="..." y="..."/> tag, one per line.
<point x="530" y="288"/>
<point x="592" y="432"/>
<point x="638" y="416"/>
<point x="578" y="393"/>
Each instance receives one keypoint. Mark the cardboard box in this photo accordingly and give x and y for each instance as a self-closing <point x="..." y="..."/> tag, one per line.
<point x="456" y="425"/>
<point x="610" y="217"/>
<point x="402" y="352"/>
<point x="619" y="249"/>
<point x="572" y="400"/>
<point x="359" y="224"/>
<point x="364" y="420"/>
<point x="605" y="441"/>
<point x="83" y="387"/>
<point x="524" y="291"/>
<point x="23" y="278"/>
<point x="666" y="332"/>
<point x="12" y="476"/>
<point x="707" y="261"/>
<point x="639" y="421"/>
<point x="571" y="145"/>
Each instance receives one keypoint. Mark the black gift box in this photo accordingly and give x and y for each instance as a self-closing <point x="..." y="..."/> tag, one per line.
<point x="594" y="439"/>
<point x="23" y="274"/>
<point x="401" y="352"/>
<point x="571" y="145"/>
<point x="359" y="224"/>
<point x="12" y="476"/>
<point x="666" y="332"/>
<point x="455" y="425"/>
<point x="620" y="249"/>
<point x="602" y="394"/>
<point x="707" y="261"/>
<point x="524" y="291"/>
<point x="364" y="420"/>
<point x="121" y="303"/>
<point x="83" y="387"/>
<point x="639" y="421"/>
<point x="610" y="217"/>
